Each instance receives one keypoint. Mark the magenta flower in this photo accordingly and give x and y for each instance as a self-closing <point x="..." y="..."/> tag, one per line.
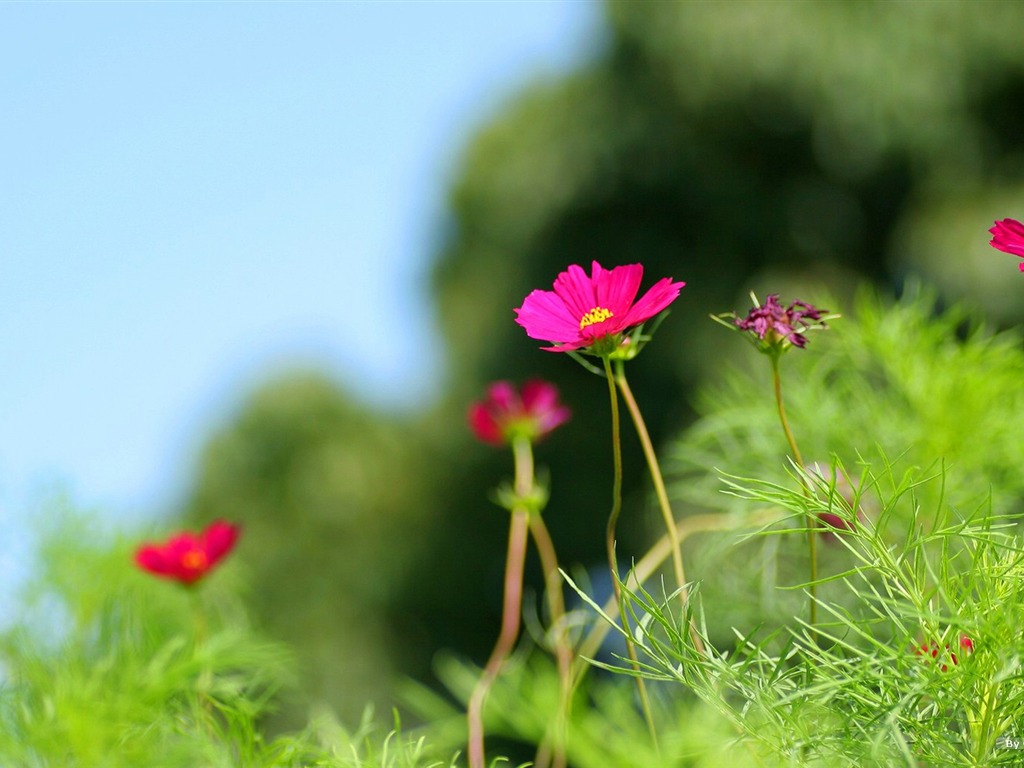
<point x="506" y="414"/>
<point x="188" y="557"/>
<point x="776" y="328"/>
<point x="1008" y="236"/>
<point x="593" y="313"/>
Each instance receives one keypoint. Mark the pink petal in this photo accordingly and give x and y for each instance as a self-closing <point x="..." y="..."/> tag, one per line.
<point x="596" y="331"/>
<point x="1010" y="227"/>
<point x="218" y="540"/>
<point x="576" y="290"/>
<point x="151" y="558"/>
<point x="553" y="418"/>
<point x="660" y="295"/>
<point x="502" y="399"/>
<point x="570" y="346"/>
<point x="483" y="424"/>
<point x="545" y="316"/>
<point x="1008" y="236"/>
<point x="617" y="288"/>
<point x="539" y="396"/>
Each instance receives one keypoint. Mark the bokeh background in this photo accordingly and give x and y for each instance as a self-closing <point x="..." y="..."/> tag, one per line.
<point x="259" y="257"/>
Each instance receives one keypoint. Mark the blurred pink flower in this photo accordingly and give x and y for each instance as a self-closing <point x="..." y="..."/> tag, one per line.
<point x="188" y="557"/>
<point x="1008" y="236"/>
<point x="506" y="414"/>
<point x="583" y="311"/>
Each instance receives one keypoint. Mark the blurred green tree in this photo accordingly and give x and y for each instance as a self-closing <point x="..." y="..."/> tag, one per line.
<point x="318" y="484"/>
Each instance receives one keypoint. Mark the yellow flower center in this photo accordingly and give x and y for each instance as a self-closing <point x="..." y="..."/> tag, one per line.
<point x="194" y="560"/>
<point x="596" y="315"/>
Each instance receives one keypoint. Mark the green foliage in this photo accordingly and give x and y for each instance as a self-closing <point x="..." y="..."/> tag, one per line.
<point x="885" y="678"/>
<point x="111" y="667"/>
<point x="891" y="380"/>
<point x="916" y="659"/>
<point x="105" y="671"/>
<point x="919" y="384"/>
<point x="310" y="476"/>
<point x="605" y="727"/>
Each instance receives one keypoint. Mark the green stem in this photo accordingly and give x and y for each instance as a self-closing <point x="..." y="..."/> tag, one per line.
<point x="613" y="519"/>
<point x="560" y="636"/>
<point x="204" y="681"/>
<point x="512" y="606"/>
<point x="812" y="521"/>
<point x="659" y="489"/>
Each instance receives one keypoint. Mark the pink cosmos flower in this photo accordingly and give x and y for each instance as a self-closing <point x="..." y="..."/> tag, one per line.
<point x="592" y="312"/>
<point x="506" y="414"/>
<point x="188" y="557"/>
<point x="1008" y="236"/>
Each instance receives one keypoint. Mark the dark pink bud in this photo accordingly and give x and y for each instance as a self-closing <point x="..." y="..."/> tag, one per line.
<point x="1008" y="237"/>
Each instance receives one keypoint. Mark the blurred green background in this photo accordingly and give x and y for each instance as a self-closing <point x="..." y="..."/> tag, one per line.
<point x="792" y="147"/>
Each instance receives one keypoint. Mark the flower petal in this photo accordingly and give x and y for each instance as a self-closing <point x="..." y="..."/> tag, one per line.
<point x="1008" y="236"/>
<point x="616" y="288"/>
<point x="539" y="395"/>
<point x="483" y="424"/>
<point x="659" y="296"/>
<point x="218" y="539"/>
<point x="576" y="290"/>
<point x="503" y="398"/>
<point x="151" y="558"/>
<point x="569" y="346"/>
<point x="545" y="316"/>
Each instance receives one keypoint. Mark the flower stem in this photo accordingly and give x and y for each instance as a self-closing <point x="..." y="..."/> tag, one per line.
<point x="204" y="681"/>
<point x="559" y="632"/>
<point x="512" y="607"/>
<point x="812" y="521"/>
<point x="613" y="519"/>
<point x="660" y="492"/>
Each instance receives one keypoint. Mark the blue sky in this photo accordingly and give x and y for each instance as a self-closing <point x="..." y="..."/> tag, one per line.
<point x="193" y="195"/>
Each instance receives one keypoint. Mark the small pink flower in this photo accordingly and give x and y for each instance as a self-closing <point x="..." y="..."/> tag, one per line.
<point x="188" y="557"/>
<point x="506" y="414"/>
<point x="932" y="651"/>
<point x="1008" y="236"/>
<point x="591" y="313"/>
